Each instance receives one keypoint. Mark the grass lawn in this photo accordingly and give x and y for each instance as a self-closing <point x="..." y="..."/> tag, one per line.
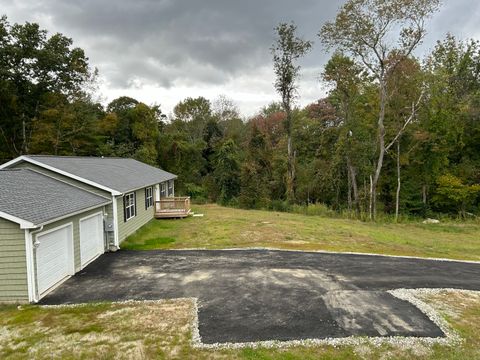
<point x="163" y="331"/>
<point x="233" y="228"/>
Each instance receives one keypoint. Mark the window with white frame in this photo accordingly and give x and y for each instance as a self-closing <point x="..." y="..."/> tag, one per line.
<point x="148" y="197"/>
<point x="129" y="206"/>
<point x="163" y="190"/>
<point x="170" y="188"/>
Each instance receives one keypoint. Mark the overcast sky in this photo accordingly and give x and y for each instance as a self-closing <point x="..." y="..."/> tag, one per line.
<point x="161" y="51"/>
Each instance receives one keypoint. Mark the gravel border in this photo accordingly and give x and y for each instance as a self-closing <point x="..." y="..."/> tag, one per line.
<point x="125" y="302"/>
<point x="330" y="252"/>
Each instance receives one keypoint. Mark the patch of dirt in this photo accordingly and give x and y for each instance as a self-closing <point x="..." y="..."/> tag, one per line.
<point x="297" y="242"/>
<point x="197" y="276"/>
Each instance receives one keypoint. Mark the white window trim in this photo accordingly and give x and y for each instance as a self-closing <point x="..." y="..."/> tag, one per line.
<point x="149" y="197"/>
<point x="132" y="206"/>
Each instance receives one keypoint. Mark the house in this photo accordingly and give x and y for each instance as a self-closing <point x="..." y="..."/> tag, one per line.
<point x="59" y="213"/>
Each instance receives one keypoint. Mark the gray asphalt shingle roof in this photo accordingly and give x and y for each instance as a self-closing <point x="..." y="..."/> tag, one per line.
<point x="37" y="198"/>
<point x="118" y="174"/>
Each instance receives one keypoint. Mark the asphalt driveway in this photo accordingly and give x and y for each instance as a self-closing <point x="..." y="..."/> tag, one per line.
<point x="257" y="295"/>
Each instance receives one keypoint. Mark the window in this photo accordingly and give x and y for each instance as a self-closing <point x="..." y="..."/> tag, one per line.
<point x="148" y="197"/>
<point x="129" y="206"/>
<point x="170" y="188"/>
<point x="163" y="190"/>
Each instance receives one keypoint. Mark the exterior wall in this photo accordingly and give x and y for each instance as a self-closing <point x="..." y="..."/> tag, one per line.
<point x="13" y="265"/>
<point x="142" y="216"/>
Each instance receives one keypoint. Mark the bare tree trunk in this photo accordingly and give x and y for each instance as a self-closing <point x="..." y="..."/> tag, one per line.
<point x="352" y="177"/>
<point x="349" y="184"/>
<point x="364" y="198"/>
<point x="291" y="160"/>
<point x="356" y="200"/>
<point x="370" y="204"/>
<point x="381" y="146"/>
<point x="424" y="194"/>
<point x="399" y="184"/>
<point x="24" y="136"/>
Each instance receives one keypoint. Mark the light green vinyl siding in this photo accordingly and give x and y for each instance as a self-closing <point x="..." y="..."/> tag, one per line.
<point x="141" y="218"/>
<point x="13" y="263"/>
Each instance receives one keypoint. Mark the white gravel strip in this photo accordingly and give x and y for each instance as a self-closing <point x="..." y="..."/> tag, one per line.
<point x="411" y="295"/>
<point x="331" y="252"/>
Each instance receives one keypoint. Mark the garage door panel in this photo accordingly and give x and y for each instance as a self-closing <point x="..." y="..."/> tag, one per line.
<point x="54" y="257"/>
<point x="91" y="238"/>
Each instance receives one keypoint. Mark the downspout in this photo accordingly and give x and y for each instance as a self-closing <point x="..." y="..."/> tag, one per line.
<point x="31" y="271"/>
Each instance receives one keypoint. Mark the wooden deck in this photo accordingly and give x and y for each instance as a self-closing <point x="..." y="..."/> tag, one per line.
<point x="172" y="207"/>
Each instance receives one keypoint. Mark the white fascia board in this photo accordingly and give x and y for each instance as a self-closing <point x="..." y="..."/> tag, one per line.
<point x="24" y="224"/>
<point x="12" y="162"/>
<point x="61" y="172"/>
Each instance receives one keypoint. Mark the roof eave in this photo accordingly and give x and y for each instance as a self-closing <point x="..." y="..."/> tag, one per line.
<point x="58" y="171"/>
<point x="148" y="185"/>
<point x="73" y="213"/>
<point x="24" y="224"/>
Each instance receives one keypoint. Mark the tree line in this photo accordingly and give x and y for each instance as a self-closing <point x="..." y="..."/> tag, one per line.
<point x="396" y="134"/>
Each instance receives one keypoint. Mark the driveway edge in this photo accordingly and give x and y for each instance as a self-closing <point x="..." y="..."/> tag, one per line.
<point x="325" y="252"/>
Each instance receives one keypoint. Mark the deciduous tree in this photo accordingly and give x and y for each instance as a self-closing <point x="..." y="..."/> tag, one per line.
<point x="372" y="31"/>
<point x="287" y="50"/>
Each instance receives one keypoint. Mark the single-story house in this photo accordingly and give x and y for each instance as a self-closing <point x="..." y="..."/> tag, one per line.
<point x="59" y="213"/>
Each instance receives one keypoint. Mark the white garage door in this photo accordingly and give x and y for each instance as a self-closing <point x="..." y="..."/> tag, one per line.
<point x="54" y="257"/>
<point x="91" y="238"/>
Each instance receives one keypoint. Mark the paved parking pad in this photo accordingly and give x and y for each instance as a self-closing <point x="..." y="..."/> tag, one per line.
<point x="259" y="295"/>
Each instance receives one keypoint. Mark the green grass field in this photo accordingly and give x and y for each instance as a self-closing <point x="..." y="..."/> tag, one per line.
<point x="222" y="227"/>
<point x="163" y="330"/>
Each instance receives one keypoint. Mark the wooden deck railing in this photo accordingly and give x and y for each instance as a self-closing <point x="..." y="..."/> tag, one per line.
<point x="171" y="207"/>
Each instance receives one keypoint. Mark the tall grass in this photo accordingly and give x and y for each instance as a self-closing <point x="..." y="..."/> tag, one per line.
<point x="323" y="210"/>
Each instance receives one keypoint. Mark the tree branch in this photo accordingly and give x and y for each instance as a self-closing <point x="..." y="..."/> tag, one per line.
<point x="408" y="121"/>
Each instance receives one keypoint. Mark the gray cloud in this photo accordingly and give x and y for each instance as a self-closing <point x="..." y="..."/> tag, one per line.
<point x="189" y="43"/>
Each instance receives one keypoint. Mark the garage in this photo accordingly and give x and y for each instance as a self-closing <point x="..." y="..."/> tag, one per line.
<point x="91" y="238"/>
<point x="54" y="255"/>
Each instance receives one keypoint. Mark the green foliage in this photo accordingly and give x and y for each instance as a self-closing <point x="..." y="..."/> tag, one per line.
<point x="256" y="172"/>
<point x="227" y="172"/>
<point x="287" y="50"/>
<point x="245" y="162"/>
<point x="451" y="191"/>
<point x="34" y="68"/>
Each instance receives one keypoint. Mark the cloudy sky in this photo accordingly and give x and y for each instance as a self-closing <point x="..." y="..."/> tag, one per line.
<point x="161" y="51"/>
